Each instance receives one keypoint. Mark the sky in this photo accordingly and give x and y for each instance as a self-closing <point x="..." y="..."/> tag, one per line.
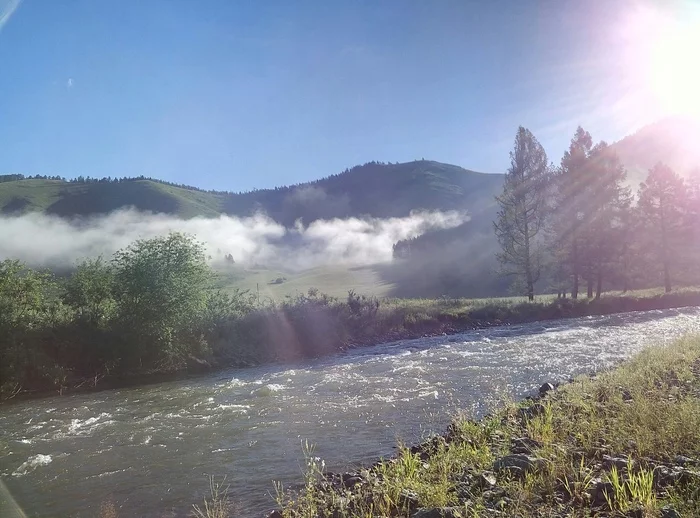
<point x="237" y="94"/>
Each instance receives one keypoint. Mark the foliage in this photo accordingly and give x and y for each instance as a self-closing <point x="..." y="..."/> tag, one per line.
<point x="161" y="288"/>
<point x="662" y="203"/>
<point x="523" y="209"/>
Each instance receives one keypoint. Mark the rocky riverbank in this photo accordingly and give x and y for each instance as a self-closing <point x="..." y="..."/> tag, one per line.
<point x="623" y="443"/>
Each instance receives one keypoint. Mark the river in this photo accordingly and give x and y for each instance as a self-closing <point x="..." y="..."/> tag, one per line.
<point x="149" y="449"/>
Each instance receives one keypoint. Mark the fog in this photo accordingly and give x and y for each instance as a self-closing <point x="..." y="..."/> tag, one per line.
<point x="50" y="241"/>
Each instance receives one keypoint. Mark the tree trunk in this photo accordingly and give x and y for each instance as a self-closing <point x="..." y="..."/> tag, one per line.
<point x="599" y="281"/>
<point x="664" y="251"/>
<point x="574" y="291"/>
<point x="589" y="281"/>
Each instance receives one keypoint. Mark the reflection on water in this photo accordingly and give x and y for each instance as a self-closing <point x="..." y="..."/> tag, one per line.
<point x="149" y="449"/>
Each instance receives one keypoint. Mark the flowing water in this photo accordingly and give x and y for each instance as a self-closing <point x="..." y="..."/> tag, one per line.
<point x="148" y="450"/>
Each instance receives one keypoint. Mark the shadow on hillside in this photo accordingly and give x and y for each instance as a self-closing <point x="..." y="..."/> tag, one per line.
<point x="16" y="205"/>
<point x="96" y="198"/>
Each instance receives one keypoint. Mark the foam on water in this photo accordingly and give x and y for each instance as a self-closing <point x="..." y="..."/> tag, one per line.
<point x="32" y="463"/>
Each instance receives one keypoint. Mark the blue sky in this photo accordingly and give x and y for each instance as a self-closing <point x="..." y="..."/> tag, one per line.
<point x="236" y="94"/>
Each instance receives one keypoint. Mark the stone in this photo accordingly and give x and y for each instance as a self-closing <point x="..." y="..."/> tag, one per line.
<point x="682" y="460"/>
<point x="668" y="511"/>
<point x="523" y="445"/>
<point x="617" y="462"/>
<point x="408" y="499"/>
<point x="532" y="411"/>
<point x="350" y="482"/>
<point x="439" y="512"/>
<point x="518" y="464"/>
<point x="599" y="490"/>
<point x="486" y="480"/>
<point x="546" y="387"/>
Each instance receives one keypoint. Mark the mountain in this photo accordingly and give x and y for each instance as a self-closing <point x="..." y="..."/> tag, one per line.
<point x="374" y="189"/>
<point x="674" y="141"/>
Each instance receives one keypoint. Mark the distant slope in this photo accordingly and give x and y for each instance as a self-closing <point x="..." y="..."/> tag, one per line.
<point x="674" y="141"/>
<point x="374" y="189"/>
<point x="82" y="199"/>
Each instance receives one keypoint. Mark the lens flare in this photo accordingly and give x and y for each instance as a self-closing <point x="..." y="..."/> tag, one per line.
<point x="674" y="68"/>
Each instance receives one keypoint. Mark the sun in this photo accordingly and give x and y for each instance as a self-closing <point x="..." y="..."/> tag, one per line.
<point x="674" y="68"/>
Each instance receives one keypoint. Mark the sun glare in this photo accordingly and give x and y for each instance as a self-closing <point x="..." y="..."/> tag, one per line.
<point x="674" y="67"/>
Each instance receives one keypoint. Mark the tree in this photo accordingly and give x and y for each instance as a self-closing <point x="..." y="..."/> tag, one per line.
<point x="607" y="208"/>
<point x="522" y="211"/>
<point x="662" y="203"/>
<point x="89" y="290"/>
<point x="161" y="287"/>
<point x="571" y="207"/>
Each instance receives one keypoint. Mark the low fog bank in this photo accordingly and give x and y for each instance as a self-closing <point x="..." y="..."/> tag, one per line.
<point x="49" y="241"/>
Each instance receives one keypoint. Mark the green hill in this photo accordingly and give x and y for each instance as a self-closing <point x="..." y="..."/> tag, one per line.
<point x="86" y="198"/>
<point x="373" y="189"/>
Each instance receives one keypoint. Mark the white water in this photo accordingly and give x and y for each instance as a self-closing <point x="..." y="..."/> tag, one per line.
<point x="149" y="449"/>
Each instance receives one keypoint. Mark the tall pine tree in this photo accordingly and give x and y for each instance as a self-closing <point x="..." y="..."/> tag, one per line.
<point x="571" y="208"/>
<point x="523" y="207"/>
<point x="663" y="199"/>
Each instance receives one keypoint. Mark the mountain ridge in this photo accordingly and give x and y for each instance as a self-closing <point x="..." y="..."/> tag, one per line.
<point x="373" y="189"/>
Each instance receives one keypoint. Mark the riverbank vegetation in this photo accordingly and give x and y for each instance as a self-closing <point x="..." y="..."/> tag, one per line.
<point x="154" y="309"/>
<point x="622" y="443"/>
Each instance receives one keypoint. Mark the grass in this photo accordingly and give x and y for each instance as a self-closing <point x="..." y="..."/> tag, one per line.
<point x="601" y="446"/>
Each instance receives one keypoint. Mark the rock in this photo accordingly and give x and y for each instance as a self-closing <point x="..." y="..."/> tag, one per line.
<point x="668" y="511"/>
<point x="438" y="512"/>
<point x="617" y="462"/>
<point x="408" y="499"/>
<point x="486" y="480"/>
<point x="493" y="495"/>
<point x="665" y="476"/>
<point x="546" y="387"/>
<point x="527" y="413"/>
<point x="523" y="445"/>
<point x="350" y="482"/>
<point x="518" y="464"/>
<point x="682" y="460"/>
<point x="275" y="514"/>
<point x="598" y="492"/>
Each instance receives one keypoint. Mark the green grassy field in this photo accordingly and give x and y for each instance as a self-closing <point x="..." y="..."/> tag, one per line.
<point x="335" y="281"/>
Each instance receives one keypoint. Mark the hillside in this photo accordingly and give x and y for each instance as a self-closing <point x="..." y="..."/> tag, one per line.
<point x="674" y="141"/>
<point x="374" y="189"/>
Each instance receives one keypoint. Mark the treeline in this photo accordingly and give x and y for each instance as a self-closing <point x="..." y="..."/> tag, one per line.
<point x="578" y="227"/>
<point x="106" y="179"/>
<point x="17" y="177"/>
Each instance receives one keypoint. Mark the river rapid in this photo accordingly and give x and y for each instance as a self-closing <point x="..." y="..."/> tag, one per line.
<point x="149" y="449"/>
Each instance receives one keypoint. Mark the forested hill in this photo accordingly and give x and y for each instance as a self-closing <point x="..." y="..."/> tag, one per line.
<point x="373" y="189"/>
